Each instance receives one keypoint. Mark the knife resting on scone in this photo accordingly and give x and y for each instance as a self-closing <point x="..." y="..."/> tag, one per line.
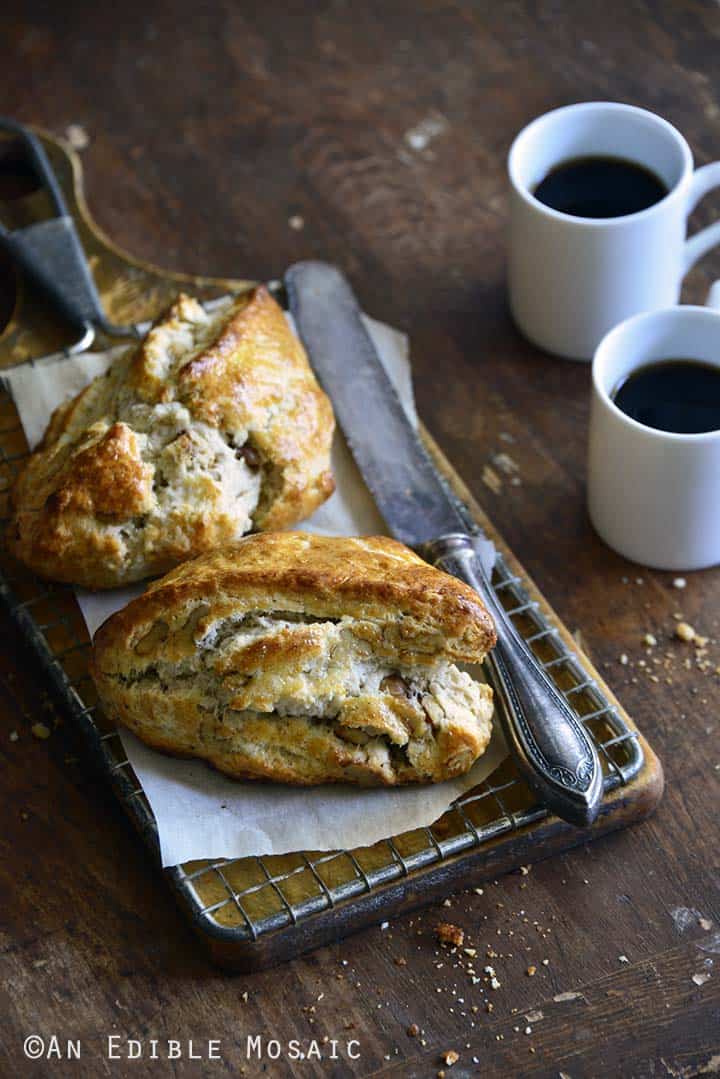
<point x="552" y="749"/>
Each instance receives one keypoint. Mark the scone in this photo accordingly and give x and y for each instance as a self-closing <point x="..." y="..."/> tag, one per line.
<point x="304" y="659"/>
<point x="212" y="427"/>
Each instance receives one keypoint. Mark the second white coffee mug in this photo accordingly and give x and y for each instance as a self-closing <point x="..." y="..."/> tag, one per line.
<point x="654" y="495"/>
<point x="573" y="278"/>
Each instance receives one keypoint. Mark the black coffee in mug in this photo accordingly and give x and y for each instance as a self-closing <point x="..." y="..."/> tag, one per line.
<point x="681" y="396"/>
<point x="598" y="186"/>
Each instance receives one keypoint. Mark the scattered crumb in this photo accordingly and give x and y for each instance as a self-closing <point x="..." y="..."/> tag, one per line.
<point x="413" y="1030"/>
<point x="624" y="659"/>
<point x="384" y="925"/>
<point x="419" y="136"/>
<point x="77" y="136"/>
<point x="400" y="961"/>
<point x="479" y="891"/>
<point x="451" y="1057"/>
<point x="700" y="979"/>
<point x="491" y="479"/>
<point x="649" y="640"/>
<point x="524" y="869"/>
<point x="560" y="998"/>
<point x="447" y="933"/>
<point x="531" y="971"/>
<point x="685" y="917"/>
<point x="684" y="631"/>
<point x="623" y="959"/>
<point x="296" y="222"/>
<point x="679" y="582"/>
<point x="14" y="736"/>
<point x="506" y="464"/>
<point x="40" y="730"/>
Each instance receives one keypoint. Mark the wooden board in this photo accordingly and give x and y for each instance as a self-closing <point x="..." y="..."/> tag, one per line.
<point x="132" y="290"/>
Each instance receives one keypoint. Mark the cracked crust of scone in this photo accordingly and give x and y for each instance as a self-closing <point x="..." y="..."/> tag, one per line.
<point x="374" y="579"/>
<point x="213" y="426"/>
<point x="304" y="659"/>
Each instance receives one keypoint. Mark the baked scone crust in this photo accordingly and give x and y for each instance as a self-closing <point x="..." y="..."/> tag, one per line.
<point x="304" y="659"/>
<point x="213" y="426"/>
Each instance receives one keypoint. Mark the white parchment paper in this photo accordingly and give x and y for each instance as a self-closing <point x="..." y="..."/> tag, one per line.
<point x="199" y="812"/>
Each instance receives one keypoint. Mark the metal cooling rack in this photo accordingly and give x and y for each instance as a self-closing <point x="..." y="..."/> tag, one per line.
<point x="241" y="903"/>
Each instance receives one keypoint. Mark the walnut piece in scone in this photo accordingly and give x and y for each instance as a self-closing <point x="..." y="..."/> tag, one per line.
<point x="304" y="659"/>
<point x="212" y="427"/>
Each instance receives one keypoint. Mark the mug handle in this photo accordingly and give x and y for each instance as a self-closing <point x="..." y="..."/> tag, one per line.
<point x="704" y="180"/>
<point x="713" y="296"/>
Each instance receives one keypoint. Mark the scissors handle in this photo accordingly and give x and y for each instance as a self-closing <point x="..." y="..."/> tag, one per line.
<point x="51" y="253"/>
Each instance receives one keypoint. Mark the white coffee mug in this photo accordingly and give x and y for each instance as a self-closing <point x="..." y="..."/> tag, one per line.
<point x="573" y="278"/>
<point x="654" y="496"/>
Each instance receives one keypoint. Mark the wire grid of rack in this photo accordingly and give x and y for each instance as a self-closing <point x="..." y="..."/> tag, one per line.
<point x="244" y="901"/>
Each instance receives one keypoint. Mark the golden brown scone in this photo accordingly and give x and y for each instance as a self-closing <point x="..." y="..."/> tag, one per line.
<point x="213" y="426"/>
<point x="304" y="659"/>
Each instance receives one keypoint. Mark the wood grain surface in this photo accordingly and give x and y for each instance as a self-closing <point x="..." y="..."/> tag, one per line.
<point x="232" y="139"/>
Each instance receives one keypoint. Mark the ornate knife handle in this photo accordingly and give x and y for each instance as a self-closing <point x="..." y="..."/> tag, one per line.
<point x="550" y="745"/>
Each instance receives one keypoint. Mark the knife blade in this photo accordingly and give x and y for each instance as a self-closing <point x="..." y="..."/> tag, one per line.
<point x="394" y="463"/>
<point x="553" y="751"/>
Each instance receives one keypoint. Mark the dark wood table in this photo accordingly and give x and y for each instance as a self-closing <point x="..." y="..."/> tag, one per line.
<point x="235" y="138"/>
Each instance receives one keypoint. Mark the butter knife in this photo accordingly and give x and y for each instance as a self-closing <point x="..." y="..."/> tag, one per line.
<point x="552" y="749"/>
